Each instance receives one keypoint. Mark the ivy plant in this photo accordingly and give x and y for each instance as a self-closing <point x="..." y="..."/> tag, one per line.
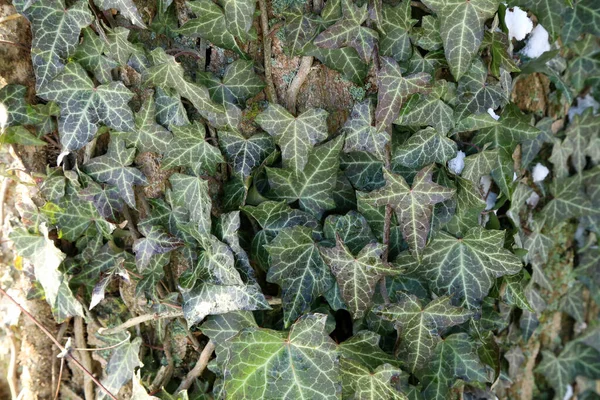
<point x="405" y="247"/>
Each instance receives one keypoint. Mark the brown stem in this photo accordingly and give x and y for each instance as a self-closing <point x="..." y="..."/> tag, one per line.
<point x="139" y="320"/>
<point x="11" y="373"/>
<point x="294" y="88"/>
<point x="130" y="224"/>
<point x="199" y="367"/>
<point x="264" y="23"/>
<point x="86" y="360"/>
<point x="57" y="343"/>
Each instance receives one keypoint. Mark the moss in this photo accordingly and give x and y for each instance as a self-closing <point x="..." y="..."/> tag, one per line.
<point x="252" y="111"/>
<point x="357" y="93"/>
<point x="279" y="6"/>
<point x="289" y="77"/>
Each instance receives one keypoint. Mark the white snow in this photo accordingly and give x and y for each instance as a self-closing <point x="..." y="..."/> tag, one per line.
<point x="533" y="199"/>
<point x="514" y="176"/>
<point x="490" y="200"/>
<point x="518" y="23"/>
<point x="540" y="172"/>
<point x="583" y="103"/>
<point x="538" y="42"/>
<point x="457" y="164"/>
<point x="569" y="393"/>
<point x="3" y="116"/>
<point x="493" y="114"/>
<point x="485" y="182"/>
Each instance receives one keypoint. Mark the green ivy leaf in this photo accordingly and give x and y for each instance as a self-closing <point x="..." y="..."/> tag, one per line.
<point x="112" y="168"/>
<point x="476" y="95"/>
<point x="394" y="90"/>
<point x="238" y="17"/>
<point x="413" y="206"/>
<point x="461" y="29"/>
<point x="419" y="327"/>
<point x="295" y="135"/>
<point x="548" y="12"/>
<point x="298" y="268"/>
<point x="497" y="43"/>
<point x="580" y="133"/>
<point x="569" y="201"/>
<point x="349" y="32"/>
<point x="155" y="241"/>
<point x="352" y="228"/>
<point x="454" y="358"/>
<point x="90" y="54"/>
<point x="127" y="8"/>
<point x="169" y="108"/>
<point x="360" y="133"/>
<point x="425" y="147"/>
<point x="191" y="193"/>
<point x="396" y="24"/>
<point x="291" y="356"/>
<point x="312" y="185"/>
<point x="345" y="60"/>
<point x="467" y="267"/>
<point x="83" y="106"/>
<point x="121" y="365"/>
<point x="245" y="154"/>
<point x="189" y="148"/>
<point x="239" y="82"/>
<point x="358" y="382"/>
<point x="427" y="36"/>
<point x="148" y="135"/>
<point x="429" y="110"/>
<point x="56" y="30"/>
<point x="364" y="347"/>
<point x="357" y="276"/>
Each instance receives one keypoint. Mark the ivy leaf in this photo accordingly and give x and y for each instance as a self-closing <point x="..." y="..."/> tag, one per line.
<point x="461" y="29"/>
<point x="579" y="135"/>
<point x="56" y="30"/>
<point x="273" y="216"/>
<point x="74" y="216"/>
<point x="394" y="90"/>
<point x="345" y="60"/>
<point x="479" y="164"/>
<point x="576" y="359"/>
<point x="83" y="106"/>
<point x="312" y="185"/>
<point x="12" y="97"/>
<point x="295" y="135"/>
<point x="497" y="42"/>
<point x="360" y="133"/>
<point x="419" y="327"/>
<point x="90" y="55"/>
<point x="210" y="299"/>
<point x="357" y="276"/>
<point x="210" y="24"/>
<point x="239" y="81"/>
<point x="429" y="110"/>
<point x="569" y="201"/>
<point x="167" y="73"/>
<point x="513" y="291"/>
<point x="245" y="154"/>
<point x="189" y="148"/>
<point x="425" y="147"/>
<point x="467" y="267"/>
<point x="349" y="32"/>
<point x="364" y="347"/>
<point x="475" y="94"/>
<point x="112" y="168"/>
<point x="300" y="29"/>
<point x="238" y="17"/>
<point x="46" y="259"/>
<point x="121" y="365"/>
<point x="191" y="193"/>
<point x="127" y="8"/>
<point x="292" y="356"/>
<point x="298" y="268"/>
<point x="352" y="228"/>
<point x="358" y="382"/>
<point x="455" y="357"/>
<point x="413" y="206"/>
<point x="148" y="135"/>
<point x="363" y="170"/>
<point x="155" y="241"/>
<point x="548" y="12"/>
<point x="169" y="108"/>
<point x="583" y="17"/>
<point x="396" y="24"/>
<point x="427" y="36"/>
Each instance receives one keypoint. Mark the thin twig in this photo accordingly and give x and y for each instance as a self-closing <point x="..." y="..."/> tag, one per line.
<point x="57" y="343"/>
<point x="11" y="373"/>
<point x="3" y="189"/>
<point x="130" y="224"/>
<point x="264" y="23"/>
<point x="139" y="320"/>
<point x="62" y="364"/>
<point x="199" y="367"/>
<point x="294" y="88"/>
<point x="86" y="360"/>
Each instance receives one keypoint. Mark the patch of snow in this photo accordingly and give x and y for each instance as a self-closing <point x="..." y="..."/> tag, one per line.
<point x="485" y="182"/>
<point x="580" y="236"/>
<point x="514" y="176"/>
<point x="538" y="42"/>
<point x="518" y="23"/>
<point x="568" y="393"/>
<point x="493" y="114"/>
<point x="583" y="103"/>
<point x="540" y="172"/>
<point x="490" y="200"/>
<point x="3" y="116"/>
<point x="457" y="164"/>
<point x="533" y="200"/>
